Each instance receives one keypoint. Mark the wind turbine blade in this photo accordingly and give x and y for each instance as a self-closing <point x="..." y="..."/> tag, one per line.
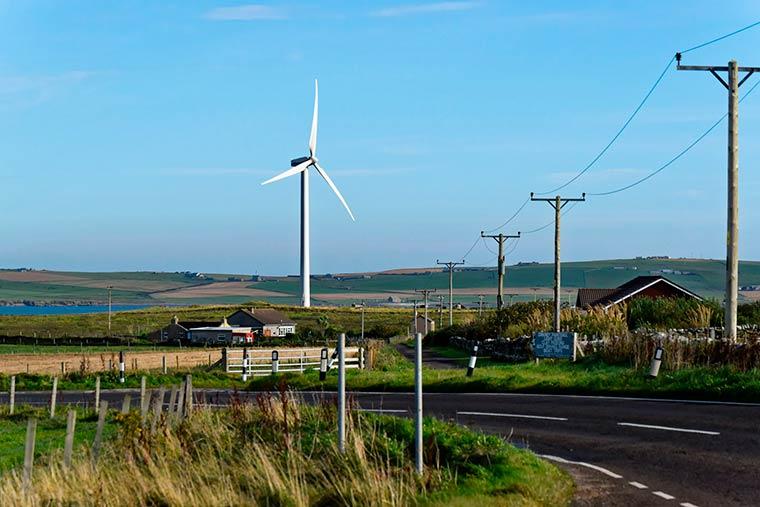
<point x="313" y="135"/>
<point x="290" y="172"/>
<point x="334" y="189"/>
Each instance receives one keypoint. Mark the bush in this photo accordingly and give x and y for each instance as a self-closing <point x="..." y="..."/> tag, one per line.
<point x="672" y="313"/>
<point x="749" y="314"/>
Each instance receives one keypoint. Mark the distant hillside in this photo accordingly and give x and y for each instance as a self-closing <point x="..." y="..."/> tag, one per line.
<point x="524" y="281"/>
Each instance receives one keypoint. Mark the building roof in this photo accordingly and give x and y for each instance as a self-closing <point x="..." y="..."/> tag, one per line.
<point x="187" y="324"/>
<point x="609" y="297"/>
<point x="268" y="316"/>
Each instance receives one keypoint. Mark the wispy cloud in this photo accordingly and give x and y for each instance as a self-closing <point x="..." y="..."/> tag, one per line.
<point x="248" y="12"/>
<point x="411" y="9"/>
<point x="29" y="90"/>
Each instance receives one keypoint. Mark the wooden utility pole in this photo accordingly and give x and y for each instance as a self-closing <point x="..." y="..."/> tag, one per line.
<point x="425" y="293"/>
<point x="557" y="203"/>
<point x="480" y="305"/>
<point x="732" y="208"/>
<point x="450" y="266"/>
<point x="500" y="238"/>
<point x="110" y="289"/>
<point x="440" y="311"/>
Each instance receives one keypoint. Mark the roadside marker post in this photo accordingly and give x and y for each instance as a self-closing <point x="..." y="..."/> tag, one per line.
<point x="121" y="366"/>
<point x="245" y="364"/>
<point x="342" y="392"/>
<point x="418" y="404"/>
<point x="12" y="400"/>
<point x="654" y="367"/>
<point x="275" y="362"/>
<point x="473" y="360"/>
<point x="323" y="365"/>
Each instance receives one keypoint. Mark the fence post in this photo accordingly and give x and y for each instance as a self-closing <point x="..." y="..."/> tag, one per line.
<point x="188" y="394"/>
<point x="172" y="399"/>
<point x="63" y="367"/>
<point x="361" y="358"/>
<point x="225" y="364"/>
<point x="12" y="400"/>
<point x="158" y="406"/>
<point x="301" y="360"/>
<point x="53" y="396"/>
<point x="99" y="431"/>
<point x="143" y="398"/>
<point x="342" y="392"/>
<point x="31" y="434"/>
<point x="180" y="400"/>
<point x="97" y="393"/>
<point x="177" y="359"/>
<point x="323" y="364"/>
<point x="163" y="364"/>
<point x="245" y="364"/>
<point x="275" y="362"/>
<point x="68" y="445"/>
<point x="126" y="404"/>
<point x="122" y="366"/>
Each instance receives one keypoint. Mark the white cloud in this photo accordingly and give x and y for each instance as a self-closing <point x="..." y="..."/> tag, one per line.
<point x="411" y="9"/>
<point x="248" y="12"/>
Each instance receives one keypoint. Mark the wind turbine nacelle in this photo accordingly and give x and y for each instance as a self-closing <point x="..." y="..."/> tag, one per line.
<point x="297" y="161"/>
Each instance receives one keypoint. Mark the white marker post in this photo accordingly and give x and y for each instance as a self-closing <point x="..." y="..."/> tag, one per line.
<point x="654" y="368"/>
<point x="342" y="392"/>
<point x="275" y="362"/>
<point x="323" y="365"/>
<point x="245" y="364"/>
<point x="418" y="403"/>
<point x="473" y="360"/>
<point x="121" y="366"/>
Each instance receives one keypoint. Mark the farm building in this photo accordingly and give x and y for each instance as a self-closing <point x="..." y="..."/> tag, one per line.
<point x="418" y="325"/>
<point x="264" y="321"/>
<point x="641" y="286"/>
<point x="221" y="335"/>
<point x="178" y="330"/>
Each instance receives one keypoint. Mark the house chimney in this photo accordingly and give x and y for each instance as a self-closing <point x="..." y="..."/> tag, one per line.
<point x="253" y="310"/>
<point x="224" y="323"/>
<point x="175" y="320"/>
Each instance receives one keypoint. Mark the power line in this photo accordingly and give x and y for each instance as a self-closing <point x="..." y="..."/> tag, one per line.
<point x="564" y="212"/>
<point x="510" y="218"/>
<point x="756" y="23"/>
<point x="672" y="160"/>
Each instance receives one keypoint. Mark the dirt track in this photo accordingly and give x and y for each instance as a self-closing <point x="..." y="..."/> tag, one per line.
<point x="100" y="361"/>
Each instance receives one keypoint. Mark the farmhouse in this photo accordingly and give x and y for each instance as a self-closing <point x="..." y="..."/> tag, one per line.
<point x="223" y="334"/>
<point x="418" y="325"/>
<point x="264" y="321"/>
<point x="178" y="331"/>
<point x="641" y="286"/>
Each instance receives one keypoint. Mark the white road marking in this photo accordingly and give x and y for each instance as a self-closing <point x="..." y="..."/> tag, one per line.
<point x="519" y="416"/>
<point x="687" y="504"/>
<point x="663" y="495"/>
<point x="638" y="485"/>
<point x="384" y="410"/>
<point x="583" y="464"/>
<point x="668" y="428"/>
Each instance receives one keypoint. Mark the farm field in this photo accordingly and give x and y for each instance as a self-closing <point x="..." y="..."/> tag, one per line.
<point x="527" y="281"/>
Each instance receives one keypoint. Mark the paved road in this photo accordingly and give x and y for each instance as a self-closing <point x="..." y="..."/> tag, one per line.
<point x="621" y="451"/>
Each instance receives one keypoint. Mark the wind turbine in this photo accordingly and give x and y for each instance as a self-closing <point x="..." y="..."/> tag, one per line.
<point x="302" y="165"/>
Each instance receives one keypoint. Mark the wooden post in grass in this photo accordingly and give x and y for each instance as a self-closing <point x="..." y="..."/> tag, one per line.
<point x="180" y="401"/>
<point x="53" y="396"/>
<point x="172" y="399"/>
<point x="63" y="368"/>
<point x="68" y="445"/>
<point x="143" y="398"/>
<point x="177" y="358"/>
<point x="99" y="431"/>
<point x="12" y="400"/>
<point x="163" y="364"/>
<point x="158" y="405"/>
<point x="188" y="395"/>
<point x="126" y="404"/>
<point x="31" y="434"/>
<point x="97" y="393"/>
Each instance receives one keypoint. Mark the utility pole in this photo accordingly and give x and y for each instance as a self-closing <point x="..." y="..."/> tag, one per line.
<point x="500" y="238"/>
<point x="450" y="266"/>
<point x="557" y="203"/>
<point x="362" y="320"/>
<point x="732" y="208"/>
<point x="110" y="288"/>
<point x="425" y="293"/>
<point x="414" y="302"/>
<point x="480" y="305"/>
<point x="511" y="295"/>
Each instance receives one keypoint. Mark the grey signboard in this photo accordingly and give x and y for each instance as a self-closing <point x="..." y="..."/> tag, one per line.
<point x="554" y="345"/>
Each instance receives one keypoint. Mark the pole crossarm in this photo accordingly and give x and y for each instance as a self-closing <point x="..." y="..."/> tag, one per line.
<point x="563" y="200"/>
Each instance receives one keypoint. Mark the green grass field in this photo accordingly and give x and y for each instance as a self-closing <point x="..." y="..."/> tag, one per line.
<point x="705" y="277"/>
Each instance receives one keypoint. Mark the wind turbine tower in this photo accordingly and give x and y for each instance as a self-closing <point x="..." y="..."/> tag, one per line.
<point x="302" y="165"/>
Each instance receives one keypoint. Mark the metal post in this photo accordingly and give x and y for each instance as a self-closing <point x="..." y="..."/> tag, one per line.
<point x="732" y="246"/>
<point x="342" y="392"/>
<point x="557" y="302"/>
<point x="418" y="404"/>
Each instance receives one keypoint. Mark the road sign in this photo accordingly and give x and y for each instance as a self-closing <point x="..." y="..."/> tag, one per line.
<point x="555" y="345"/>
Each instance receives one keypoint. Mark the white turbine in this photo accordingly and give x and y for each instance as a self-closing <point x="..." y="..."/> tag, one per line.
<point x="302" y="165"/>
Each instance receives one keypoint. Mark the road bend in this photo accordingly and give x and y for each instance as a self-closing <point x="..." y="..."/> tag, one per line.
<point x="621" y="451"/>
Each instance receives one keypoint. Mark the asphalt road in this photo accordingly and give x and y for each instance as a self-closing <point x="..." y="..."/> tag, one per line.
<point x="620" y="451"/>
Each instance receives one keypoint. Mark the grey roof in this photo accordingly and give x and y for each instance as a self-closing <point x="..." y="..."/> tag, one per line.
<point x="268" y="316"/>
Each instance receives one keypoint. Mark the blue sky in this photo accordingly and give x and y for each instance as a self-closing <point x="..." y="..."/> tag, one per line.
<point x="135" y="134"/>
